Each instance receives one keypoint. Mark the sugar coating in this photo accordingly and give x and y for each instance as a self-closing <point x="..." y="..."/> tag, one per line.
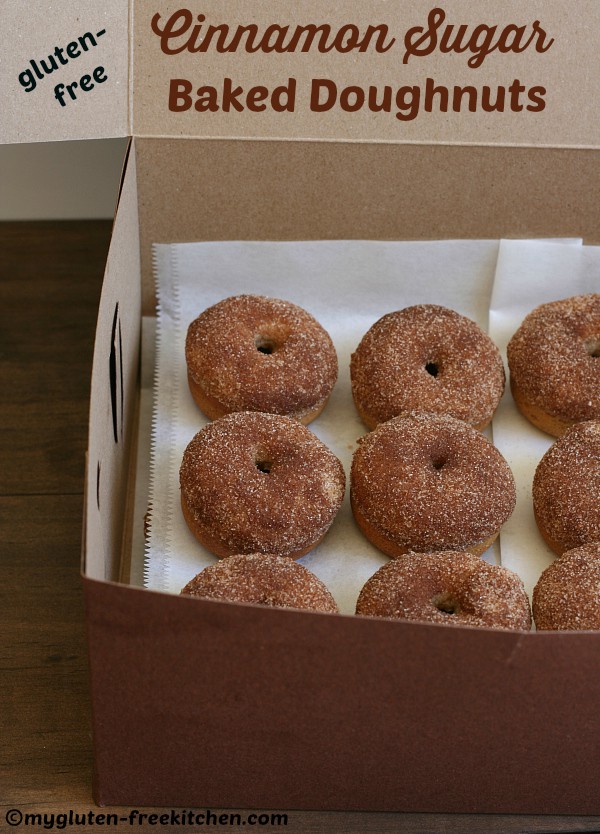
<point x="567" y="595"/>
<point x="263" y="579"/>
<point x="551" y="359"/>
<point x="230" y="495"/>
<point x="566" y="488"/>
<point x="431" y="482"/>
<point x="448" y="588"/>
<point x="390" y="373"/>
<point x="225" y="358"/>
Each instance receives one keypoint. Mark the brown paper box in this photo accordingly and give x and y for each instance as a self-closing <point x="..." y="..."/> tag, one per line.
<point x="209" y="704"/>
<point x="204" y="703"/>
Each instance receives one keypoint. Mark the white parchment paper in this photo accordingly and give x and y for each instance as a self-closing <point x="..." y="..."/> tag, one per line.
<point x="347" y="285"/>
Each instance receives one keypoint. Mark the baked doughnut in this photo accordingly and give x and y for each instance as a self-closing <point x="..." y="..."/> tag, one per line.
<point x="427" y="482"/>
<point x="554" y="362"/>
<point x="567" y="595"/>
<point x="251" y="353"/>
<point x="263" y="579"/>
<point x="566" y="489"/>
<point x="259" y="483"/>
<point x="449" y="588"/>
<point x="426" y="358"/>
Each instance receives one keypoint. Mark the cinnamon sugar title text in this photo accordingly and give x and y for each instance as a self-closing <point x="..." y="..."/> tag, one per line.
<point x="184" y="31"/>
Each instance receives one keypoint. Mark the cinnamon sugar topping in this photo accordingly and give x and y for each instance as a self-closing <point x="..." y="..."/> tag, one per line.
<point x="448" y="588"/>
<point x="427" y="358"/>
<point x="567" y="595"/>
<point x="251" y="353"/>
<point x="554" y="358"/>
<point x="260" y="483"/>
<point x="566" y="488"/>
<point x="431" y="482"/>
<point x="263" y="579"/>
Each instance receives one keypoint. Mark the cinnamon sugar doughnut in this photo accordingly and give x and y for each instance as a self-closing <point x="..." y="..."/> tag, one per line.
<point x="554" y="362"/>
<point x="567" y="595"/>
<point x="448" y="588"/>
<point x="263" y="579"/>
<point x="251" y="353"/>
<point x="427" y="482"/>
<point x="253" y="482"/>
<point x="426" y="358"/>
<point x="566" y="489"/>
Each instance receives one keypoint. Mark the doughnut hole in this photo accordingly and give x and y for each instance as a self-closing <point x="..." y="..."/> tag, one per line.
<point x="269" y="339"/>
<point x="264" y="344"/>
<point x="446" y="603"/>
<point x="438" y="457"/>
<point x="263" y="461"/>
<point x="592" y="346"/>
<point x="438" y="461"/>
<point x="432" y="368"/>
<point x="264" y="466"/>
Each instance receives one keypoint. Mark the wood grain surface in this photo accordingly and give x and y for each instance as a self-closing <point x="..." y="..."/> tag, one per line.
<point x="50" y="280"/>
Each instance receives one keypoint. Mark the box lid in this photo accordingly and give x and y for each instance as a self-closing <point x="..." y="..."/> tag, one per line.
<point x="501" y="73"/>
<point x="49" y="46"/>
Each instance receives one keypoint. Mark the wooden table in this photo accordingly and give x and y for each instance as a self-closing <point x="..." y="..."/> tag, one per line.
<point x="50" y="279"/>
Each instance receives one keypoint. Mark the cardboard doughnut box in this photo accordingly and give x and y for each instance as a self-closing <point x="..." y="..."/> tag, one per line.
<point x="355" y="131"/>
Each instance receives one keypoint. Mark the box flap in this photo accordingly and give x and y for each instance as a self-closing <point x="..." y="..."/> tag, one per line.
<point x="469" y="73"/>
<point x="412" y="72"/>
<point x="65" y="75"/>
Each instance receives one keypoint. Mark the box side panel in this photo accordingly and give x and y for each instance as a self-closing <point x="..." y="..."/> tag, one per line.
<point x="113" y="390"/>
<point x="215" y="190"/>
<point x="66" y="73"/>
<point x="531" y="85"/>
<point x="204" y="704"/>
